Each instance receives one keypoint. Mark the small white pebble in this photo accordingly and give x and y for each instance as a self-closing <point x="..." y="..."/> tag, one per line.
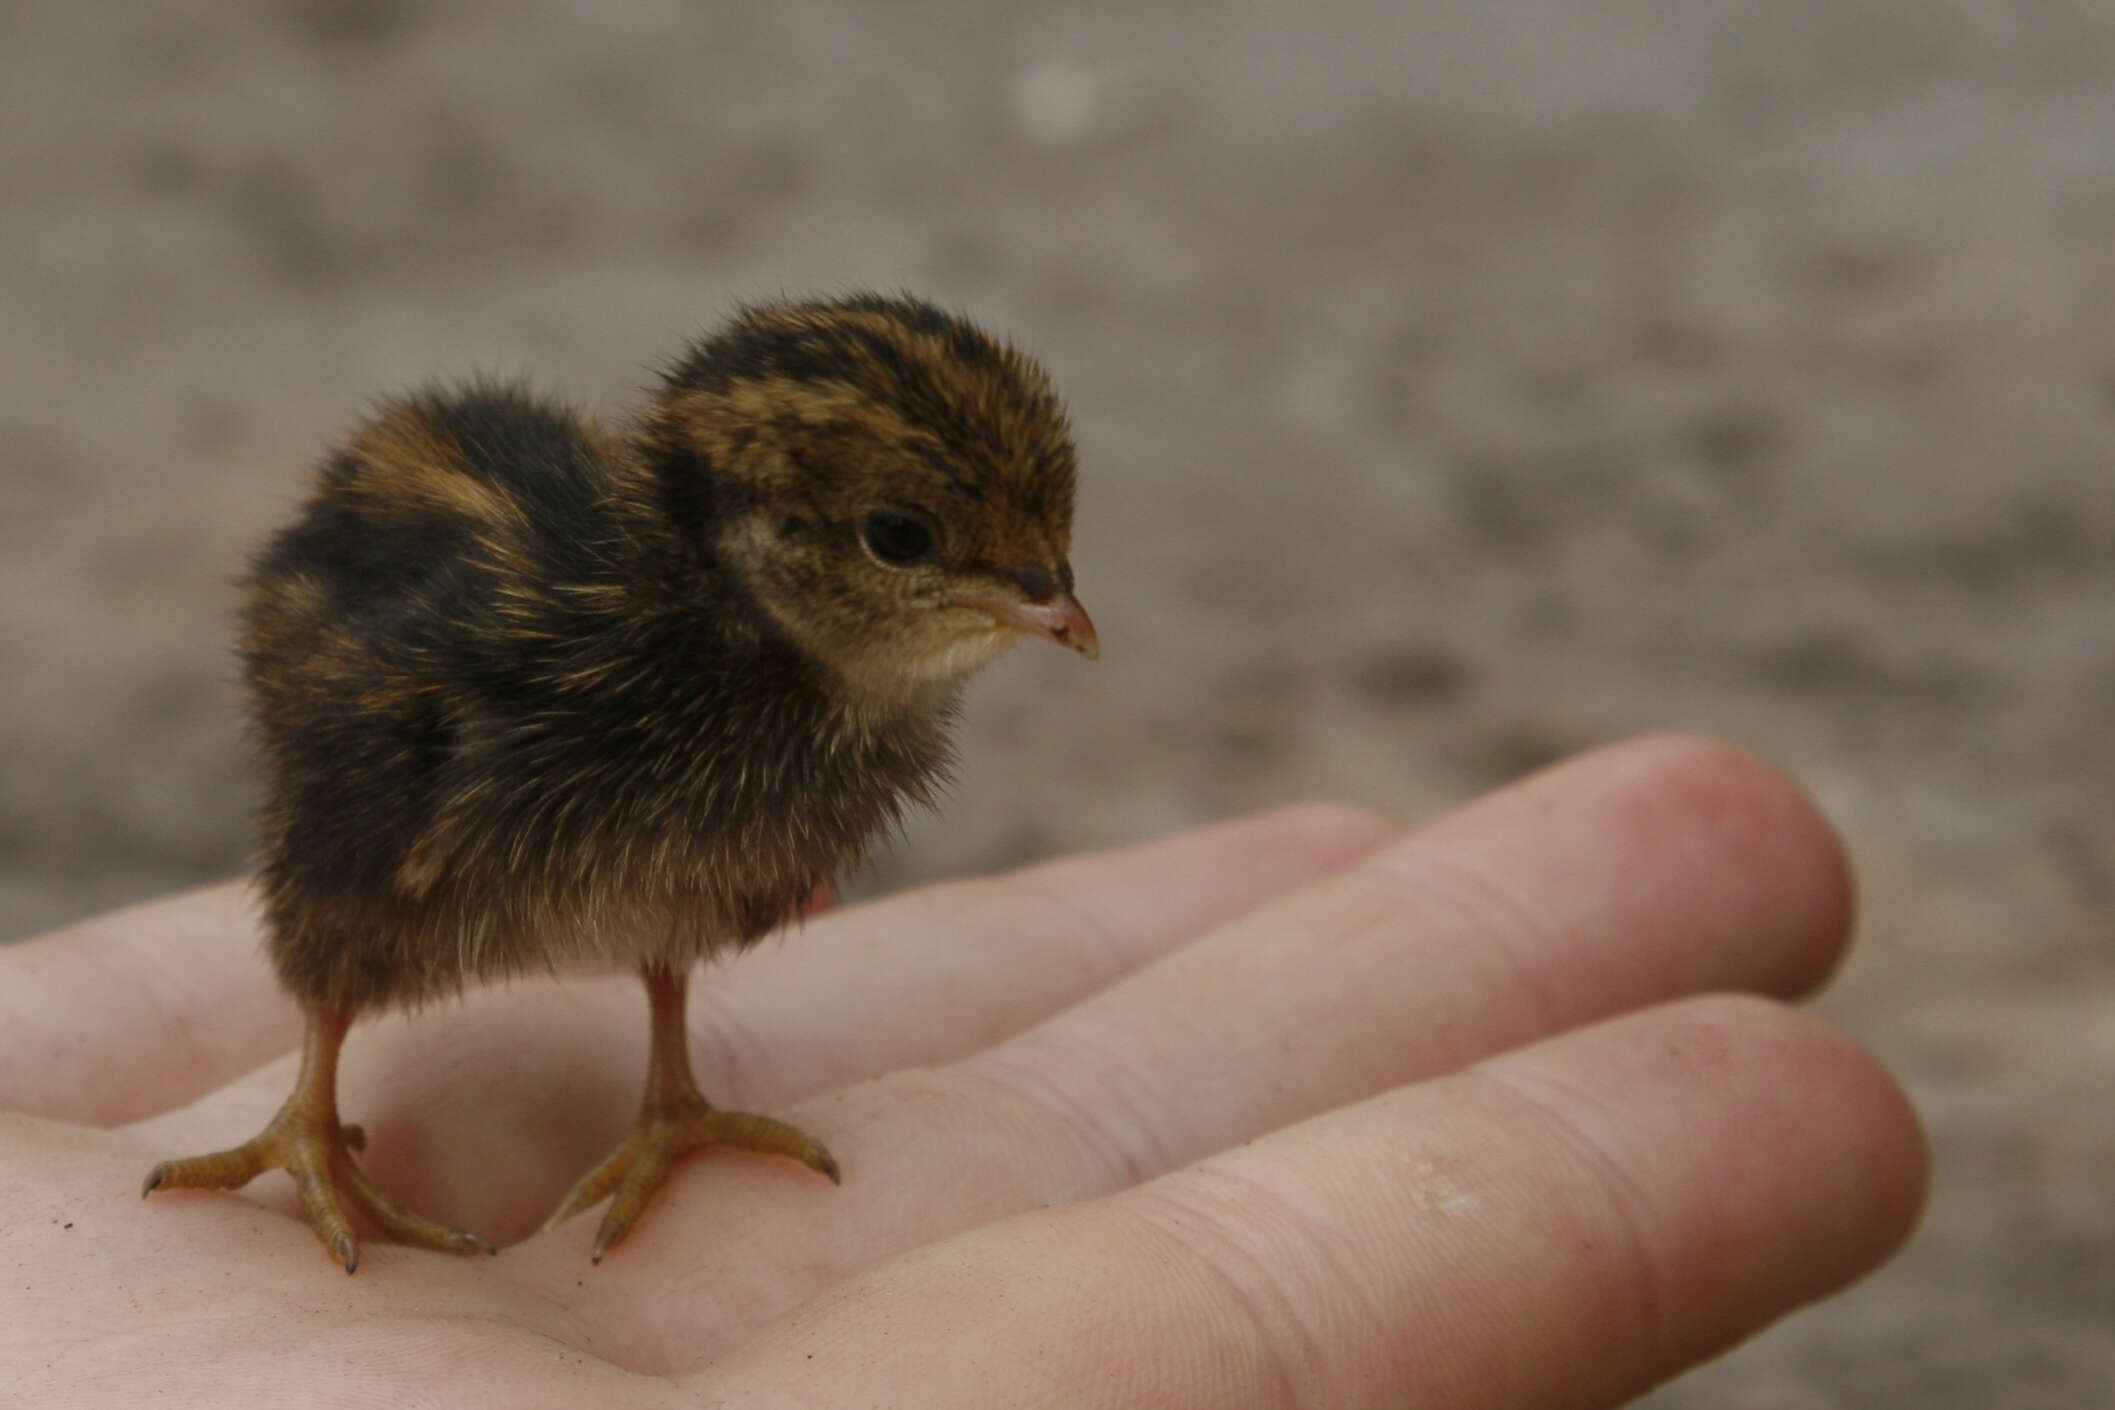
<point x="1059" y="103"/>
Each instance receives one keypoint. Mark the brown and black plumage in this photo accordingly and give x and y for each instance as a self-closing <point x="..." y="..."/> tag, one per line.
<point x="532" y="694"/>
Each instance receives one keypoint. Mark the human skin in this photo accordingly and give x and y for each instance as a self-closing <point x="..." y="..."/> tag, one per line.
<point x="1300" y="1110"/>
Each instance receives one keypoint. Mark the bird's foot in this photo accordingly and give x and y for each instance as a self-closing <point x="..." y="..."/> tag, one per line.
<point x="318" y="1153"/>
<point x="634" y="1170"/>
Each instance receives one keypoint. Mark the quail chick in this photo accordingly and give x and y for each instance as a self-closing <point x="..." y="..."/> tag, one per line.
<point x="532" y="694"/>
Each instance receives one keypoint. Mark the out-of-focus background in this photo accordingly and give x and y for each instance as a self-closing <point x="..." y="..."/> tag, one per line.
<point x="1458" y="384"/>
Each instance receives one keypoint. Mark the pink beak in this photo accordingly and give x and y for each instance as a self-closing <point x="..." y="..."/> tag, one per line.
<point x="1050" y="612"/>
<point x="1061" y="620"/>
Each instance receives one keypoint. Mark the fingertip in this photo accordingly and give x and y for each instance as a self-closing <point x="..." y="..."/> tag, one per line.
<point x="1839" y="1100"/>
<point x="1849" y="1152"/>
<point x="1711" y="810"/>
<point x="1818" y="1162"/>
<point x="1711" y="1164"/>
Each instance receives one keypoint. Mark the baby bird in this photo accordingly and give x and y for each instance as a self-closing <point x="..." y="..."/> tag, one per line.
<point x="532" y="694"/>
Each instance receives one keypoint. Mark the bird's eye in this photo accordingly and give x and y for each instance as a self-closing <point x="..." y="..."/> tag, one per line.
<point x="899" y="539"/>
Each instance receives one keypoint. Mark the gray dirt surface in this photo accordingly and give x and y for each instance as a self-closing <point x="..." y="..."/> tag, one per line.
<point x="1458" y="385"/>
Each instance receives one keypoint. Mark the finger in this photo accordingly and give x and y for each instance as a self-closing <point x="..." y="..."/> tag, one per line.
<point x="143" y="1009"/>
<point x="483" y="1112"/>
<point x="1567" y="1227"/>
<point x="137" y="1010"/>
<point x="1630" y="876"/>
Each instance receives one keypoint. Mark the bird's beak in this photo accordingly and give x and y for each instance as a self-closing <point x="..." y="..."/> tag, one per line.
<point x="1061" y="620"/>
<point x="1050" y="611"/>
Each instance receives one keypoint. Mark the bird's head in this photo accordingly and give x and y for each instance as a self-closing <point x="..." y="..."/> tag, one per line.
<point x="891" y="485"/>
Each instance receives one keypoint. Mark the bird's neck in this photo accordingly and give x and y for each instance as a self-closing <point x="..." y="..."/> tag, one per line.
<point x="663" y="524"/>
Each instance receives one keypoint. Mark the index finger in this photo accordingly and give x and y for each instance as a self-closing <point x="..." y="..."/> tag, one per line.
<point x="1564" y="1226"/>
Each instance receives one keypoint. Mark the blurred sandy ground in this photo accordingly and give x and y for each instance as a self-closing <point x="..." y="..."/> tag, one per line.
<point x="1459" y="384"/>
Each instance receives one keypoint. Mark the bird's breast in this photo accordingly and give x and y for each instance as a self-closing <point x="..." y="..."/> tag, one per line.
<point x="667" y="851"/>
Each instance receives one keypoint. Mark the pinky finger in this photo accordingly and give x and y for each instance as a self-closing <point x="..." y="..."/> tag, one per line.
<point x="1565" y="1226"/>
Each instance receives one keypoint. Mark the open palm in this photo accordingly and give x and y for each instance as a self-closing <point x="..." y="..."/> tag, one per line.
<point x="1302" y="1110"/>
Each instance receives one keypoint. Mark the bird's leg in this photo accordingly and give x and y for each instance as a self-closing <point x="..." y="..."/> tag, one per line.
<point x="305" y="1139"/>
<point x="674" y="1119"/>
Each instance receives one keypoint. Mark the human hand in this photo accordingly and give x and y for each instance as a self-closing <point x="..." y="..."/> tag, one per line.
<point x="1298" y="1110"/>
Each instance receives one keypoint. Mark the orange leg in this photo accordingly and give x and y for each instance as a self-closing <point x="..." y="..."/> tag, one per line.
<point x="304" y="1139"/>
<point x="674" y="1120"/>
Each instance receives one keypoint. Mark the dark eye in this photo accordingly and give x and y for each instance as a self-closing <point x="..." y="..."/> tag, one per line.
<point x="899" y="539"/>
